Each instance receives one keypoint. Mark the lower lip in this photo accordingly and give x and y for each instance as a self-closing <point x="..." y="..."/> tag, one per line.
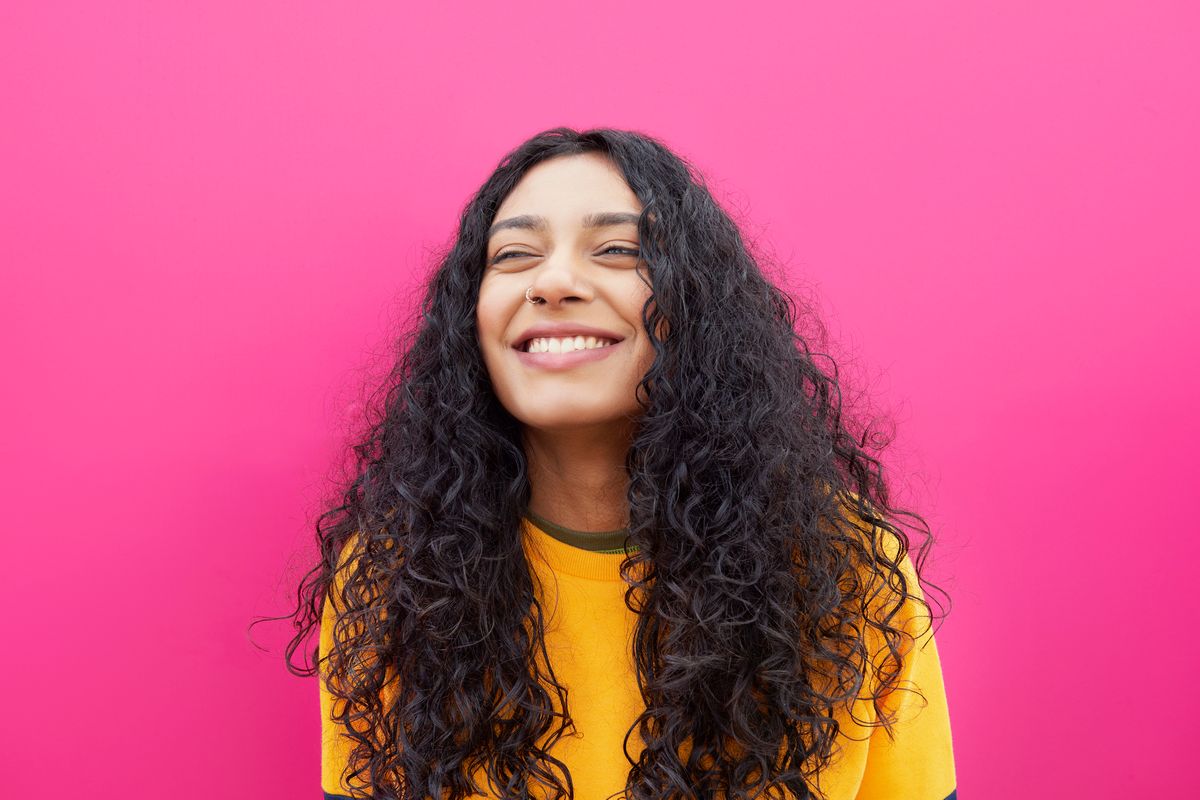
<point x="555" y="361"/>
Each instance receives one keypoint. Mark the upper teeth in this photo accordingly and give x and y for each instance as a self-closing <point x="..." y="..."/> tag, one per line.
<point x="566" y="344"/>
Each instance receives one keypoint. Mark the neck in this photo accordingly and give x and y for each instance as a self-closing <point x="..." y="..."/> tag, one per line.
<point x="577" y="478"/>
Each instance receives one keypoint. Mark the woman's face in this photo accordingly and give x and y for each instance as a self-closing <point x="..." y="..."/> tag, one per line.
<point x="568" y="233"/>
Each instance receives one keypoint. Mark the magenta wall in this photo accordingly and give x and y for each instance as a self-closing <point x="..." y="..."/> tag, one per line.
<point x="213" y="212"/>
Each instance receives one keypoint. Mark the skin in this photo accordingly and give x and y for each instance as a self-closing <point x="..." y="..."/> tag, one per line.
<point x="577" y="423"/>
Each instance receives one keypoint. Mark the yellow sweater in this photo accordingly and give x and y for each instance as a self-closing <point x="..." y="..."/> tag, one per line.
<point x="588" y="641"/>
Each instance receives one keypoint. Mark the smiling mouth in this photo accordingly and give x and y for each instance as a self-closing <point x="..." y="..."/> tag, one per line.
<point x="568" y="360"/>
<point x="564" y="345"/>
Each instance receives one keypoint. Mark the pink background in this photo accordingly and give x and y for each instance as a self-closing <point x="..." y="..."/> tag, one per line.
<point x="213" y="214"/>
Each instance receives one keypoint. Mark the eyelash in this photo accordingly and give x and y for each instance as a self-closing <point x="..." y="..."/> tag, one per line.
<point x="627" y="251"/>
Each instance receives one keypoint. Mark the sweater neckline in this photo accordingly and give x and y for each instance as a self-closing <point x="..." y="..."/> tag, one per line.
<point x="563" y="557"/>
<point x="595" y="541"/>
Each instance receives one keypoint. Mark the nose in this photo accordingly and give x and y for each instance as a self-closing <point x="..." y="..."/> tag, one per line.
<point x="558" y="279"/>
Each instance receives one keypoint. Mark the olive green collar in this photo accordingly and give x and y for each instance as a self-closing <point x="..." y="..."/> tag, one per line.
<point x="595" y="541"/>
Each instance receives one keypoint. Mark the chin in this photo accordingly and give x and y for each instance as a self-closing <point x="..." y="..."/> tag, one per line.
<point x="566" y="421"/>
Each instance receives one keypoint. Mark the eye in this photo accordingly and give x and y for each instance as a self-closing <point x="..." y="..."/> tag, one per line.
<point x="502" y="256"/>
<point x="629" y="251"/>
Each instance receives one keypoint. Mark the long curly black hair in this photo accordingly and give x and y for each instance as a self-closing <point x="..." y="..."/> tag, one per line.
<point x="766" y="545"/>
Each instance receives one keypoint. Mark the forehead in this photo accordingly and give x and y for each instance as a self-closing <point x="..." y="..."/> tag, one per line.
<point x="566" y="188"/>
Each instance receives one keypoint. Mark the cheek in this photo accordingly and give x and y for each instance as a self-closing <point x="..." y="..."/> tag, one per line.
<point x="662" y="328"/>
<point x="486" y="336"/>
<point x="488" y="318"/>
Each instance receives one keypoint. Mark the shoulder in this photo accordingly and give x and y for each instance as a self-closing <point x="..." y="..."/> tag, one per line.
<point x="881" y="585"/>
<point x="884" y="550"/>
<point x="362" y="559"/>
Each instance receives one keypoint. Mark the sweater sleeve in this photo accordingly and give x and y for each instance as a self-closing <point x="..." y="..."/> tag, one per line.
<point x="336" y="745"/>
<point x="918" y="763"/>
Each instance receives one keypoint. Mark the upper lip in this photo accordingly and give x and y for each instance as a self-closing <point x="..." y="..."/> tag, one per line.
<point x="556" y="329"/>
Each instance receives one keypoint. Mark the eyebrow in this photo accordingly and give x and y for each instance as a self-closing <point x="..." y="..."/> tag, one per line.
<point x="530" y="222"/>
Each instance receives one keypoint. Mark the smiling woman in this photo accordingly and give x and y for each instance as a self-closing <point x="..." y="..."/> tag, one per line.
<point x="610" y="531"/>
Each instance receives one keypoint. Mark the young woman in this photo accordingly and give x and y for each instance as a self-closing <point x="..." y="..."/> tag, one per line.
<point x="610" y="531"/>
